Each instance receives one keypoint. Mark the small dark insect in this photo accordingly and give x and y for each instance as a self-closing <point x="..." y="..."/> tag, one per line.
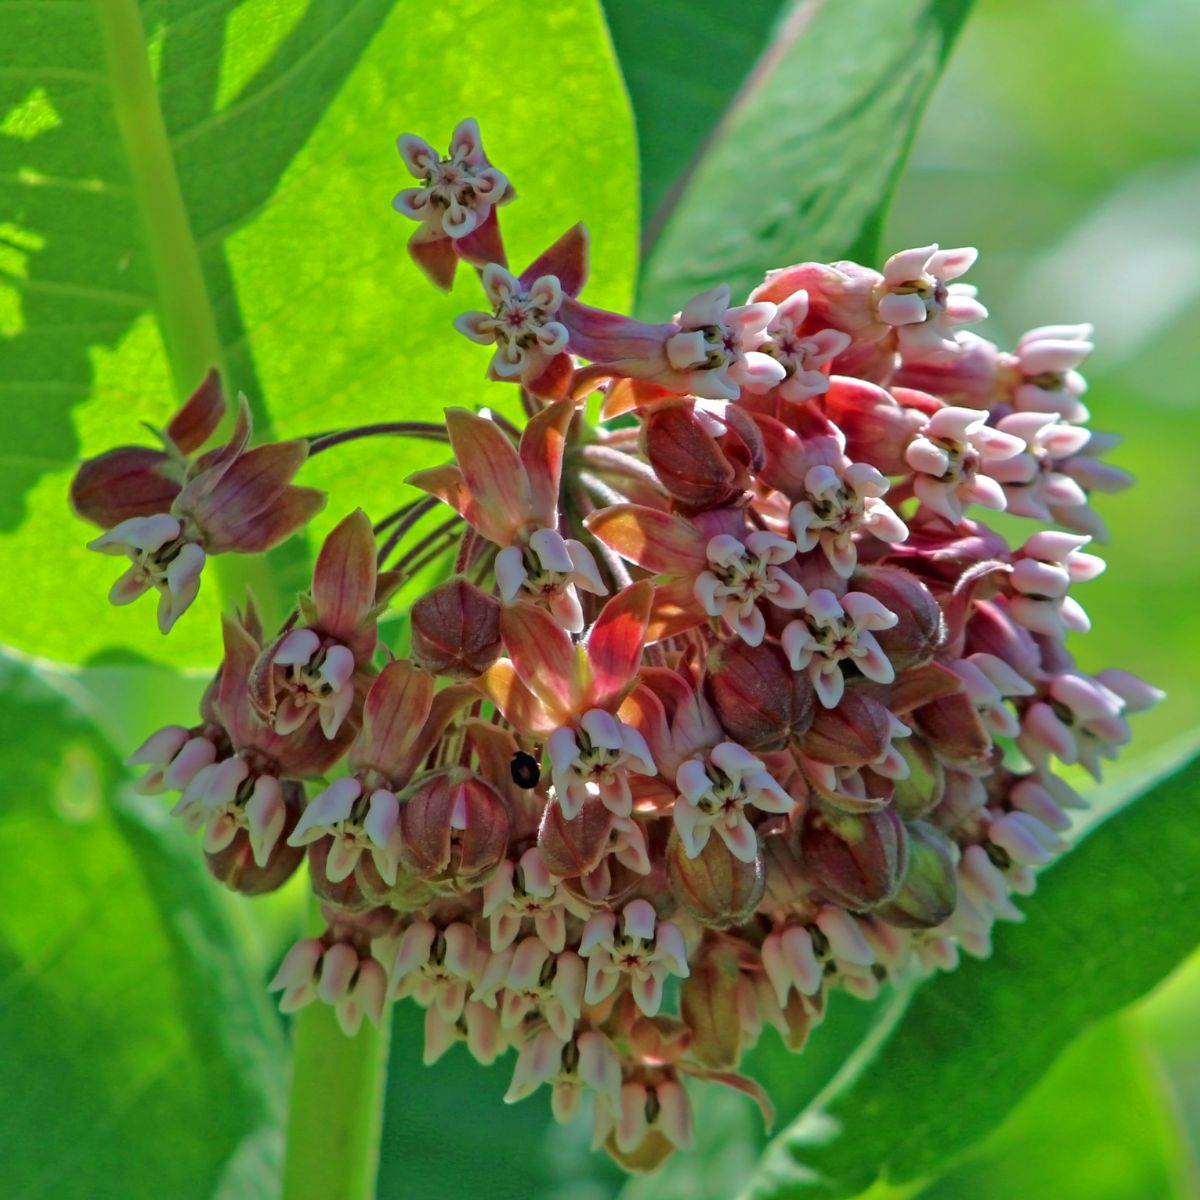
<point x="525" y="770"/>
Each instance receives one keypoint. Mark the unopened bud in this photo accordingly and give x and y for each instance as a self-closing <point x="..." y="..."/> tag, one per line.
<point x="453" y="829"/>
<point x="877" y="429"/>
<point x="708" y="1003"/>
<point x="921" y="791"/>
<point x="855" y="733"/>
<point x="912" y="641"/>
<point x="857" y="859"/>
<point x="716" y="887"/>
<point x="573" y="848"/>
<point x="954" y="729"/>
<point x="759" y="700"/>
<point x="456" y="630"/>
<point x="703" y="462"/>
<point x="928" y="893"/>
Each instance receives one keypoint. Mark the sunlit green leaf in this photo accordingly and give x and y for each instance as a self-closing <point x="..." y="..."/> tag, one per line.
<point x="280" y="118"/>
<point x="803" y="166"/>
<point x="1107" y="923"/>
<point x="141" y="1060"/>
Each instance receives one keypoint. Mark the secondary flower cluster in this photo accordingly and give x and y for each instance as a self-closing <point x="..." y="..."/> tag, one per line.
<point x="723" y="706"/>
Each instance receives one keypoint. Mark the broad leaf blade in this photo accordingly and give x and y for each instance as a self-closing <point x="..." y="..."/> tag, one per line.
<point x="136" y="1047"/>
<point x="804" y="164"/>
<point x="1107" y="923"/>
<point x="675" y="104"/>
<point x="281" y="117"/>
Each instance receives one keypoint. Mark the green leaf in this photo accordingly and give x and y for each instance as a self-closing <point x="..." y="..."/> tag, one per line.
<point x="1108" y="922"/>
<point x="805" y="162"/>
<point x="1062" y="1141"/>
<point x="192" y="183"/>
<point x="676" y="106"/>
<point x="140" y="1058"/>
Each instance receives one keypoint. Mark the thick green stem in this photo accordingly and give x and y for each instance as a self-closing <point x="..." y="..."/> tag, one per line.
<point x="335" y="1111"/>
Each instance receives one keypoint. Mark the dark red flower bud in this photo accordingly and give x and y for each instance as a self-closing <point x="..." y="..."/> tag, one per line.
<point x="759" y="700"/>
<point x="703" y="462"/>
<point x="453" y="829"/>
<point x="954" y="729"/>
<point x="914" y="639"/>
<point x="234" y="866"/>
<point x="922" y="790"/>
<point x="708" y="1003"/>
<point x="857" y="859"/>
<point x="855" y="733"/>
<point x="573" y="848"/>
<point x="456" y="630"/>
<point x="130" y="481"/>
<point x="717" y="888"/>
<point x="928" y="892"/>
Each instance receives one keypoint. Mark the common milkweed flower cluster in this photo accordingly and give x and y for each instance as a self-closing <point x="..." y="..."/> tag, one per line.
<point x="727" y="702"/>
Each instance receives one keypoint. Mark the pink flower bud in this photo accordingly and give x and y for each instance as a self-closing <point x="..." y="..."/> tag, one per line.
<point x="877" y="429"/>
<point x="928" y="891"/>
<point x="858" y="860"/>
<point x="456" y="630"/>
<point x="954" y="729"/>
<point x="453" y="829"/>
<point x="759" y="700"/>
<point x="716" y="887"/>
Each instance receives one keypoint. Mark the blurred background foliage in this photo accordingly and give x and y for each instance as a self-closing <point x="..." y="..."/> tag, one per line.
<point x="1062" y="141"/>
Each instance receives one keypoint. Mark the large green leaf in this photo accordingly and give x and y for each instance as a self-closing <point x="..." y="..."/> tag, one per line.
<point x="236" y="206"/>
<point x="803" y="165"/>
<point x="140" y="1059"/>
<point x="1107" y="923"/>
<point x="675" y="105"/>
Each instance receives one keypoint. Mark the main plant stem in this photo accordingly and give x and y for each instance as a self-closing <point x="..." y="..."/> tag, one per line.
<point x="335" y="1108"/>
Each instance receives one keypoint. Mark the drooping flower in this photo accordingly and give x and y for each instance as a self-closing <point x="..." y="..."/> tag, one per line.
<point x="635" y="945"/>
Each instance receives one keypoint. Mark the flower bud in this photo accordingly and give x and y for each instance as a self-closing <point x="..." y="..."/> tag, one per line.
<point x="921" y="791"/>
<point x="877" y="429"/>
<point x="453" y="829"/>
<point x="456" y="630"/>
<point x="708" y="1003"/>
<point x="234" y="866"/>
<point x="928" y="893"/>
<point x="407" y="894"/>
<point x="857" y="859"/>
<point x="717" y="888"/>
<point x="573" y="848"/>
<point x="954" y="729"/>
<point x="855" y="733"/>
<point x="912" y="641"/>
<point x="703" y="461"/>
<point x="759" y="700"/>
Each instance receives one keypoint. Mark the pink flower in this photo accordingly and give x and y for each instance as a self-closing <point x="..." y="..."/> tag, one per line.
<point x="804" y="355"/>
<point x="572" y="1066"/>
<point x="527" y="891"/>
<point x="1043" y="569"/>
<point x="948" y="457"/>
<point x="635" y="946"/>
<point x="570" y="695"/>
<point x="917" y="297"/>
<point x="510" y="495"/>
<point x="353" y="984"/>
<point x="455" y="203"/>
<point x="714" y="795"/>
<point x="832" y="631"/>
<point x="1044" y="375"/>
<point x="535" y="980"/>
<point x="1034" y="485"/>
